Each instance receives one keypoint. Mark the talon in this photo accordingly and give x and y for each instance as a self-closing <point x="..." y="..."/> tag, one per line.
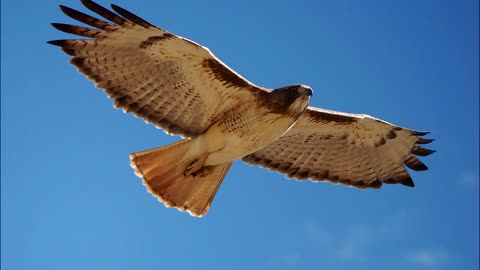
<point x="192" y="168"/>
<point x="204" y="171"/>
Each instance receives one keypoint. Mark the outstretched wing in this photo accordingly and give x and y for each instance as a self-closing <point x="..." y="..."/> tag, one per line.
<point x="351" y="149"/>
<point x="167" y="80"/>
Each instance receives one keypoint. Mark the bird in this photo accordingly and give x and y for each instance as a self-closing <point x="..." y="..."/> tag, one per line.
<point x="181" y="87"/>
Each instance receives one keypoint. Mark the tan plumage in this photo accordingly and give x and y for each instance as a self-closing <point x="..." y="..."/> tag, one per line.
<point x="352" y="149"/>
<point x="174" y="84"/>
<point x="181" y="87"/>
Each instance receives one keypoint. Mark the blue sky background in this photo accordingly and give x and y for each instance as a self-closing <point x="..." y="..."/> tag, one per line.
<point x="71" y="201"/>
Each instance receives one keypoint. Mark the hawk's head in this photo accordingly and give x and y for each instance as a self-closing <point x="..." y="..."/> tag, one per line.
<point x="292" y="100"/>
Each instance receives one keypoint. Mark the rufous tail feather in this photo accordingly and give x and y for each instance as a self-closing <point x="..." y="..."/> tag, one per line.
<point x="165" y="178"/>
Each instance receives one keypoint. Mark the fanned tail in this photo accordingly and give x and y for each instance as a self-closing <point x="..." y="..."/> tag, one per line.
<point x="164" y="177"/>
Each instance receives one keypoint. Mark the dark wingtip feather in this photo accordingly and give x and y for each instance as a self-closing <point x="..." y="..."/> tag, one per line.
<point x="412" y="162"/>
<point x="420" y="133"/>
<point x="420" y="151"/>
<point x="375" y="184"/>
<point x="425" y="141"/>
<point x="407" y="182"/>
<point x="63" y="8"/>
<point x="59" y="42"/>
<point x="89" y="3"/>
<point x="62" y="44"/>
<point x="107" y="14"/>
<point x="417" y="166"/>
<point x="130" y="16"/>
<point x="87" y="19"/>
<point x="76" y="30"/>
<point x="59" y="26"/>
<point x="72" y="13"/>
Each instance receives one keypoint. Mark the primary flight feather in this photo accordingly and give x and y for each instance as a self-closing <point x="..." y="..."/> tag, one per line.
<point x="181" y="87"/>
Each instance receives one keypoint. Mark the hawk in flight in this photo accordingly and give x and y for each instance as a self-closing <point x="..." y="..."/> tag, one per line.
<point x="181" y="87"/>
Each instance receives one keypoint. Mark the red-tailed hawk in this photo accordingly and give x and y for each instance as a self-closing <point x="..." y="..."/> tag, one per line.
<point x="181" y="87"/>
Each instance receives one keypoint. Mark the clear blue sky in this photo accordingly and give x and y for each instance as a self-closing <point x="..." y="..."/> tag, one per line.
<point x="71" y="201"/>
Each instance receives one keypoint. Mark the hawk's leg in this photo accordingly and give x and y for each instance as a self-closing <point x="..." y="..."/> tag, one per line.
<point x="196" y="168"/>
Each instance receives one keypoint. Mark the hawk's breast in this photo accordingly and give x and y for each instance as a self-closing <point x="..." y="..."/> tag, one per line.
<point x="245" y="130"/>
